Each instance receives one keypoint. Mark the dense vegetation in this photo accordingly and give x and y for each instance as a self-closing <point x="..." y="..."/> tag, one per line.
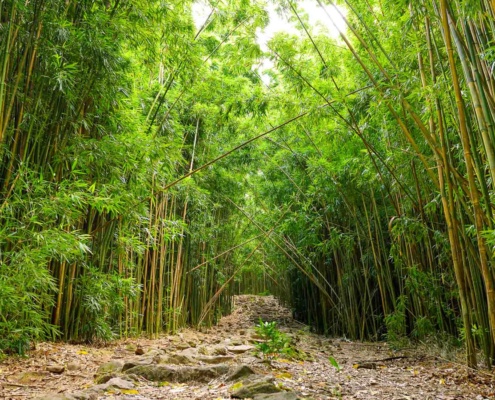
<point x="148" y="172"/>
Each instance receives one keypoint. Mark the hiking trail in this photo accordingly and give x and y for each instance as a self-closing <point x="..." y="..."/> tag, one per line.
<point x="223" y="363"/>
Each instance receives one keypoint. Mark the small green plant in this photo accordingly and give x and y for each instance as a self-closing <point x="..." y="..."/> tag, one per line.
<point x="334" y="363"/>
<point x="337" y="392"/>
<point x="396" y="324"/>
<point x="274" y="341"/>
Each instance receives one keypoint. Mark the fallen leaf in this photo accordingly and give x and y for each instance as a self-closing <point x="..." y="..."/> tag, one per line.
<point x="129" y="391"/>
<point x="236" y="386"/>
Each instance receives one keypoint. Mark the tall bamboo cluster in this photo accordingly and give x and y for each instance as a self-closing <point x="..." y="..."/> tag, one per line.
<point x="146" y="174"/>
<point x="399" y="242"/>
<point x="91" y="245"/>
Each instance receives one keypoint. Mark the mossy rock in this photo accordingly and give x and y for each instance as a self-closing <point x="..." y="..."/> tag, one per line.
<point x="277" y="396"/>
<point x="214" y="359"/>
<point x="160" y="373"/>
<point x="113" y="366"/>
<point x="250" y="388"/>
<point x="176" y="359"/>
<point x="105" y="377"/>
<point x="240" y="372"/>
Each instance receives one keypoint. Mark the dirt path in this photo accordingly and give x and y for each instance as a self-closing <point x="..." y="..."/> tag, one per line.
<point x="195" y="365"/>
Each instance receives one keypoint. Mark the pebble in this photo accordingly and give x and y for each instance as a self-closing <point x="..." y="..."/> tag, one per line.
<point x="56" y="369"/>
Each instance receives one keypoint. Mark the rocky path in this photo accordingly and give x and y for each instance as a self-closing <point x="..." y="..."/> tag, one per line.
<point x="223" y="363"/>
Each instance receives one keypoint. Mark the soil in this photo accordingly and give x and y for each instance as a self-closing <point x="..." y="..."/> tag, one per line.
<point x="360" y="371"/>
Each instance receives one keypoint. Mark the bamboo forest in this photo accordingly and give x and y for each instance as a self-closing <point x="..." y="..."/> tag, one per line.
<point x="160" y="159"/>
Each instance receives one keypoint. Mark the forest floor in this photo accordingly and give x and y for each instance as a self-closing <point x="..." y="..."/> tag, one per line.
<point x="222" y="363"/>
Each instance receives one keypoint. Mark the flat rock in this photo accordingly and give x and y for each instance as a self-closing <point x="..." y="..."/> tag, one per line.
<point x="110" y="367"/>
<point x="160" y="373"/>
<point x="114" y="383"/>
<point x="240" y="372"/>
<point x="251" y="387"/>
<point x="176" y="359"/>
<point x="154" y="353"/>
<point x="276" y="396"/>
<point x="214" y="359"/>
<point x="240" y="348"/>
<point x="136" y="361"/>
<point x="80" y="395"/>
<point x="189" y="352"/>
<point x="73" y="366"/>
<point x="105" y="377"/>
<point x="56" y="369"/>
<point x="219" y="350"/>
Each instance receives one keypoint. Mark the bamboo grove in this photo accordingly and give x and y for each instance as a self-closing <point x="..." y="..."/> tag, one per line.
<point x="151" y="167"/>
<point x="96" y="119"/>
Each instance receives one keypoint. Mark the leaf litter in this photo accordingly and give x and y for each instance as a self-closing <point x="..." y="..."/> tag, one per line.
<point x="332" y="368"/>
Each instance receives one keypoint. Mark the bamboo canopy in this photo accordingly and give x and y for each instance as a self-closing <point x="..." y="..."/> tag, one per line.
<point x="152" y="166"/>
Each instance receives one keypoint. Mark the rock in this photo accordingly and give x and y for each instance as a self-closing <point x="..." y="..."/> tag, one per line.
<point x="154" y="353"/>
<point x="250" y="388"/>
<point x="219" y="350"/>
<point x="189" y="352"/>
<point x="84" y="395"/>
<point x="56" y="369"/>
<point x="240" y="348"/>
<point x="160" y="373"/>
<point x="28" y="377"/>
<point x="214" y="359"/>
<point x="130" y="347"/>
<point x="240" y="372"/>
<point x="276" y="396"/>
<point x="118" y="383"/>
<point x="110" y="367"/>
<point x="105" y="377"/>
<point x="73" y="366"/>
<point x="134" y="362"/>
<point x="176" y="359"/>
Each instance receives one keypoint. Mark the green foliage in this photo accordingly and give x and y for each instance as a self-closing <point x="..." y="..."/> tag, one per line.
<point x="100" y="298"/>
<point x="274" y="342"/>
<point x="396" y="324"/>
<point x="357" y="208"/>
<point x="24" y="295"/>
<point x="334" y="363"/>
